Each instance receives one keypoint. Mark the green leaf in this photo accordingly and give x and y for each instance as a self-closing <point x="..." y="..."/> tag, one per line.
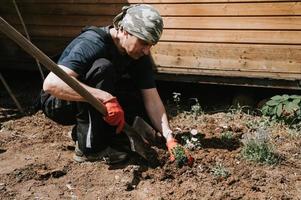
<point x="274" y="111"/>
<point x="277" y="97"/>
<point x="265" y="110"/>
<point x="295" y="96"/>
<point x="272" y="103"/>
<point x="285" y="97"/>
<point x="279" y="110"/>
<point x="294" y="107"/>
<point x="297" y="101"/>
<point x="288" y="108"/>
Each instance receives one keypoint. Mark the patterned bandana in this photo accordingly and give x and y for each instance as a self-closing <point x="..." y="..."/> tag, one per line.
<point x="142" y="21"/>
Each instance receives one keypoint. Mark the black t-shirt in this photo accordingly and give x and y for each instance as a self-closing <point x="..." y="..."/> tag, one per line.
<point x="89" y="46"/>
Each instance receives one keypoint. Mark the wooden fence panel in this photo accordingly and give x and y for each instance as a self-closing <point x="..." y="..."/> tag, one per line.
<point x="232" y="38"/>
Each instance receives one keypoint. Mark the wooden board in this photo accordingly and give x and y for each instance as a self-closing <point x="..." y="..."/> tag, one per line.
<point x="231" y="23"/>
<point x="210" y="9"/>
<point x="50" y="46"/>
<point x="150" y="1"/>
<point x="230" y="38"/>
<point x="204" y="36"/>
<point x="226" y="73"/>
<point x="230" y="57"/>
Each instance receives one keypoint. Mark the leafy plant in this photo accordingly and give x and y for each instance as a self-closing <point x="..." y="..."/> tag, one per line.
<point x="196" y="109"/>
<point x="285" y="108"/>
<point x="227" y="137"/>
<point x="177" y="100"/>
<point x="220" y="171"/>
<point x="192" y="140"/>
<point x="180" y="156"/>
<point x="259" y="151"/>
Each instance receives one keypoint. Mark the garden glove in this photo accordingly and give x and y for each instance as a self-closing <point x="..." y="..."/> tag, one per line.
<point x="115" y="115"/>
<point x="179" y="154"/>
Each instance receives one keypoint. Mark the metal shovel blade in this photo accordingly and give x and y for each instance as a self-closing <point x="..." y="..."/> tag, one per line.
<point x="142" y="136"/>
<point x="138" y="145"/>
<point x="148" y="133"/>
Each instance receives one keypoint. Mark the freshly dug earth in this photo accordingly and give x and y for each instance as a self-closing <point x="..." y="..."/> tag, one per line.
<point x="36" y="161"/>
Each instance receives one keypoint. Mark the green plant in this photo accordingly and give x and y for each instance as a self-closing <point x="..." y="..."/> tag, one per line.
<point x="180" y="156"/>
<point x="177" y="100"/>
<point x="238" y="109"/>
<point x="220" y="171"/>
<point x="192" y="140"/>
<point x="259" y="151"/>
<point x="196" y="109"/>
<point x="285" y="108"/>
<point x="227" y="137"/>
<point x="260" y="123"/>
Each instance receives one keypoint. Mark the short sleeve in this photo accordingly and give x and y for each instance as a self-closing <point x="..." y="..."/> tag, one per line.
<point x="80" y="54"/>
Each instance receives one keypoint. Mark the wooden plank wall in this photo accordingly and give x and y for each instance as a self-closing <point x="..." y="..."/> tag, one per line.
<point x="232" y="38"/>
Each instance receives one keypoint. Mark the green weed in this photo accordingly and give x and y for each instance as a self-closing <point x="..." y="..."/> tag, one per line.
<point x="220" y="171"/>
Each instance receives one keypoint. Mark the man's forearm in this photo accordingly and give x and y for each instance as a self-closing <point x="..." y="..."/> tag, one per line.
<point x="58" y="88"/>
<point x="157" y="112"/>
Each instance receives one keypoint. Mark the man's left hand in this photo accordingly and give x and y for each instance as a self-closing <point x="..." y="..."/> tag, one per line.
<point x="115" y="115"/>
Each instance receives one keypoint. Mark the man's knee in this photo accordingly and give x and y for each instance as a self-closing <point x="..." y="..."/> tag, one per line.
<point x="60" y="111"/>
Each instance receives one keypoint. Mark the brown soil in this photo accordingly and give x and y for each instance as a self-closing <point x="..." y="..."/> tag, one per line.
<point x="36" y="161"/>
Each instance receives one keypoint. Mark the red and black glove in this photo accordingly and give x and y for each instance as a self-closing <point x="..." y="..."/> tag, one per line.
<point x="115" y="115"/>
<point x="178" y="153"/>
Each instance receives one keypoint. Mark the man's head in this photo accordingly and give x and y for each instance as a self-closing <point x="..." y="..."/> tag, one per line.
<point x="141" y="24"/>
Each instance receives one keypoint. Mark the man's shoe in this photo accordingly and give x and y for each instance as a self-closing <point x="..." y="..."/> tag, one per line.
<point x="109" y="155"/>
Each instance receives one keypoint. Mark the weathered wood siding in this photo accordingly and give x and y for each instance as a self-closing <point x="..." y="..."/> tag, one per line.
<point x="228" y="38"/>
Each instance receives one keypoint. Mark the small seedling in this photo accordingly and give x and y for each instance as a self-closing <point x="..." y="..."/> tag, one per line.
<point x="180" y="156"/>
<point x="227" y="137"/>
<point x="220" y="171"/>
<point x="196" y="109"/>
<point x="177" y="100"/>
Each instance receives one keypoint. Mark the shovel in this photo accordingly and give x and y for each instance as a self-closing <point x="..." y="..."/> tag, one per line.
<point x="137" y="143"/>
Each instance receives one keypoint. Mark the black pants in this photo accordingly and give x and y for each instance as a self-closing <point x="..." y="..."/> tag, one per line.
<point x="92" y="132"/>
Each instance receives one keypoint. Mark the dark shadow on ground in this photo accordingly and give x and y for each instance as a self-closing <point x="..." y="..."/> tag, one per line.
<point x="211" y="143"/>
<point x="2" y="151"/>
<point x="217" y="143"/>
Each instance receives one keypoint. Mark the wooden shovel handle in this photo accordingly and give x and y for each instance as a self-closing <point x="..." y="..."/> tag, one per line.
<point x="31" y="49"/>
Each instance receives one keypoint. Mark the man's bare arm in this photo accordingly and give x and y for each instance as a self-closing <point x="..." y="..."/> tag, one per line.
<point x="157" y="112"/>
<point x="58" y="88"/>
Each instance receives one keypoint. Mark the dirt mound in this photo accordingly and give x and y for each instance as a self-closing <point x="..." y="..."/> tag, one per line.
<point x="36" y="161"/>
